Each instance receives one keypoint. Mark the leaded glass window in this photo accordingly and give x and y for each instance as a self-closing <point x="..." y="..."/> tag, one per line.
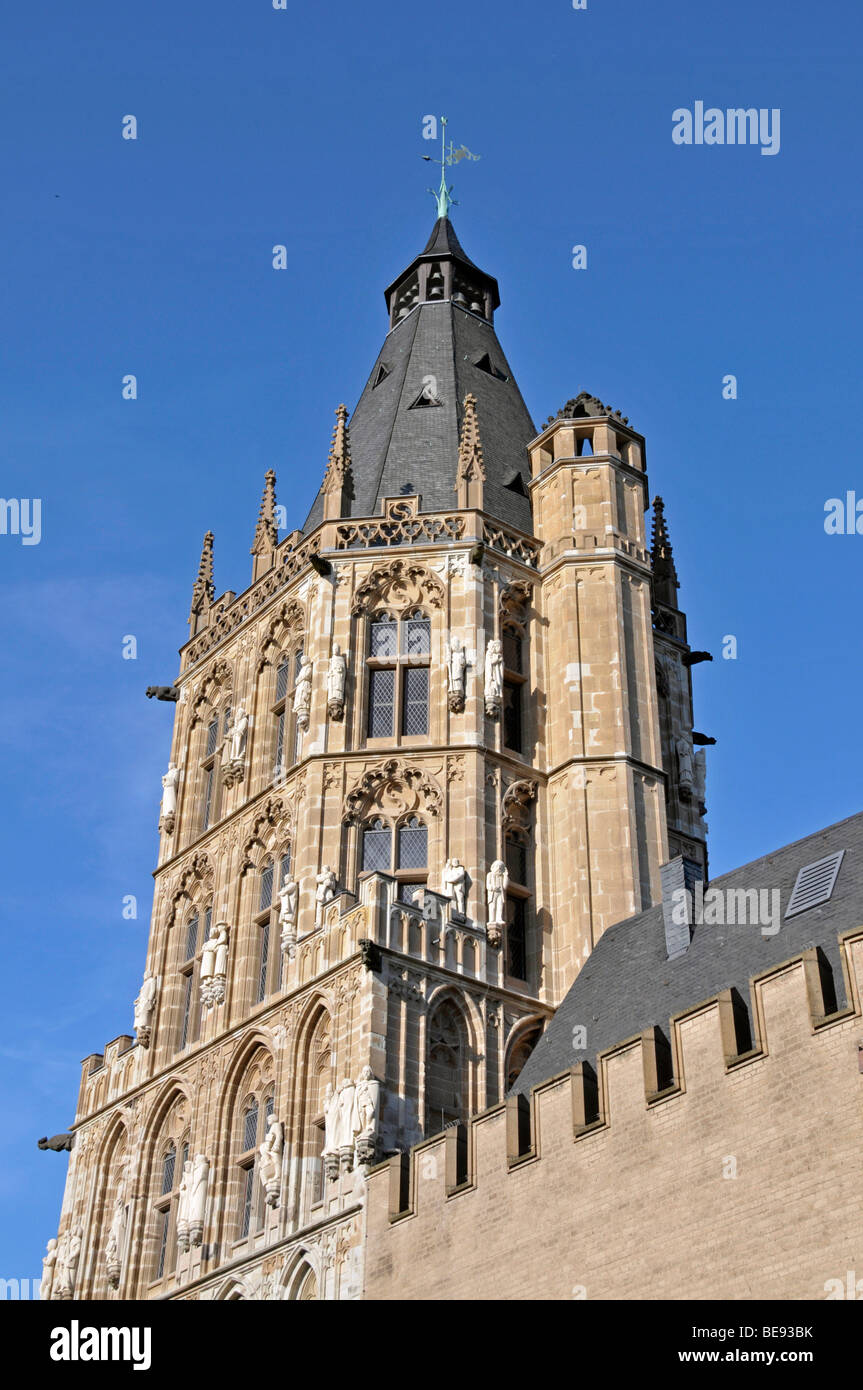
<point x="516" y="860"/>
<point x="382" y="688"/>
<point x="282" y="680"/>
<point x="192" y="937"/>
<point x="250" y="1127"/>
<point x="266" y="895"/>
<point x="417" y="639"/>
<point x="169" y="1161"/>
<point x="248" y="1193"/>
<point x="516" y="938"/>
<point x="377" y="848"/>
<point x="412" y="845"/>
<point x="384" y="636"/>
<point x="416" y="700"/>
<point x="212" y="737"/>
<point x="264" y="960"/>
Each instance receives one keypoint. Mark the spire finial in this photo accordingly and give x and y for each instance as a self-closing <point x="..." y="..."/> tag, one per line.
<point x="665" y="584"/>
<point x="266" y="530"/>
<point x="203" y="591"/>
<point x="443" y="195"/>
<point x="336" y="484"/>
<point x="470" y="473"/>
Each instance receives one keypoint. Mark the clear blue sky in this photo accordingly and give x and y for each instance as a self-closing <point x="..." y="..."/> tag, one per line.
<point x="153" y="257"/>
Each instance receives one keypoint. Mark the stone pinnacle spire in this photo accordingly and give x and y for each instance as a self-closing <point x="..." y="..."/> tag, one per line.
<point x="336" y="484"/>
<point x="665" y="584"/>
<point x="266" y="530"/>
<point x="203" y="591"/>
<point x="470" y="473"/>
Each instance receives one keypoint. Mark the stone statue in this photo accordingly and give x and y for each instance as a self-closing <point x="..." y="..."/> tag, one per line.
<point x="331" y="1131"/>
<point x="145" y="1006"/>
<point x="303" y="692"/>
<point x="198" y="1198"/>
<point x="496" y="884"/>
<point x="345" y="1122"/>
<point x="700" y="780"/>
<point x="455" y="884"/>
<point x="67" y="1262"/>
<point x="115" y="1242"/>
<point x="456" y="674"/>
<point x="366" y="1107"/>
<point x="183" y="1206"/>
<point x="270" y="1160"/>
<point x="684" y="764"/>
<point x="493" y="678"/>
<point x="214" y="965"/>
<point x="325" y="892"/>
<point x="49" y="1261"/>
<point x="336" y="680"/>
<point x="288" y="898"/>
<point x="239" y="733"/>
<point x="170" y="782"/>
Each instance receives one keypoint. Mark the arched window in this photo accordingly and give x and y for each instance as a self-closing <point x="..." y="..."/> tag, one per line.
<point x="446" y="1067"/>
<point x="398" y="674"/>
<point x="514" y="685"/>
<point x="519" y="1052"/>
<point x="253" y="1128"/>
<point x="517" y="902"/>
<point x="217" y="729"/>
<point x="172" y="1152"/>
<point x="287" y="735"/>
<point x="400" y="850"/>
<point x="193" y="933"/>
<point x="317" y="1074"/>
<point x="269" y="957"/>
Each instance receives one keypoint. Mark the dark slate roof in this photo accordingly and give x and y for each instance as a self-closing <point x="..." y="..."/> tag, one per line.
<point x="627" y="984"/>
<point x="394" y="448"/>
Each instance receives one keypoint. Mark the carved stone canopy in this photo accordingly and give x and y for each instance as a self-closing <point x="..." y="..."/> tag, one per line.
<point x="397" y="585"/>
<point x="270" y="832"/>
<point x="394" y="788"/>
<point x="517" y="801"/>
<point x="288" y="624"/>
<point x="515" y="598"/>
<point x="195" y="885"/>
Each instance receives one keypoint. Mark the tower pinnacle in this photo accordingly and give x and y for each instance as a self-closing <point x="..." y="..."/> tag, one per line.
<point x="336" y="484"/>
<point x="665" y="583"/>
<point x="266" y="531"/>
<point x="203" y="591"/>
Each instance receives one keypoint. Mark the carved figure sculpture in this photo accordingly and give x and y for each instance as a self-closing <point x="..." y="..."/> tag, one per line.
<point x="496" y="884"/>
<point x="493" y="677"/>
<point x="170" y="782"/>
<point x="288" y="899"/>
<point x="337" y="673"/>
<point x="145" y="1005"/>
<point x="270" y="1160"/>
<point x="303" y="692"/>
<point x="456" y="674"/>
<point x="49" y="1263"/>
<point x="198" y="1198"/>
<point x="455" y="884"/>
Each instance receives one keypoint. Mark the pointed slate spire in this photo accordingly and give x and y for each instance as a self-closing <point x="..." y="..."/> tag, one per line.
<point x="665" y="584"/>
<point x="203" y="591"/>
<point x="266" y="531"/>
<point x="470" y="473"/>
<point x="336" y="486"/>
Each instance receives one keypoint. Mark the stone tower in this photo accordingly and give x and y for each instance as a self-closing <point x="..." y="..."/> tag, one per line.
<point x="418" y="766"/>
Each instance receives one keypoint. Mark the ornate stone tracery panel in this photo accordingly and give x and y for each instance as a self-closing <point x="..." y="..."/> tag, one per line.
<point x="397" y="585"/>
<point x="395" y="788"/>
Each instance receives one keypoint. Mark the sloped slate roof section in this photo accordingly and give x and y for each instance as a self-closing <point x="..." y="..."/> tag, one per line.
<point x="395" y="449"/>
<point x="627" y="984"/>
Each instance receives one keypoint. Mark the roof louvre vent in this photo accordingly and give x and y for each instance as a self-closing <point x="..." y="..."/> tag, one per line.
<point x="814" y="884"/>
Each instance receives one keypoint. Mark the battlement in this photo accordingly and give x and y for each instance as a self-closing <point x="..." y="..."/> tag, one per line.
<point x="704" y="1141"/>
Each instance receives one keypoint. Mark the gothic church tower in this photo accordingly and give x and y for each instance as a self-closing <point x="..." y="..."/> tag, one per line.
<point x="418" y="766"/>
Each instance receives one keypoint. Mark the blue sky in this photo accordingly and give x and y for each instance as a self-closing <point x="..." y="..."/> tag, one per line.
<point x="153" y="257"/>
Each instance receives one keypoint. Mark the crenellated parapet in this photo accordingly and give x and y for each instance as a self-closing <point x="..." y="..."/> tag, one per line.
<point x="677" y="1139"/>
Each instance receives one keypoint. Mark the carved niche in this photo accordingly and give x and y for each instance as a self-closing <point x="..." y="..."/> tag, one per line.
<point x="394" y="787"/>
<point x="517" y="801"/>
